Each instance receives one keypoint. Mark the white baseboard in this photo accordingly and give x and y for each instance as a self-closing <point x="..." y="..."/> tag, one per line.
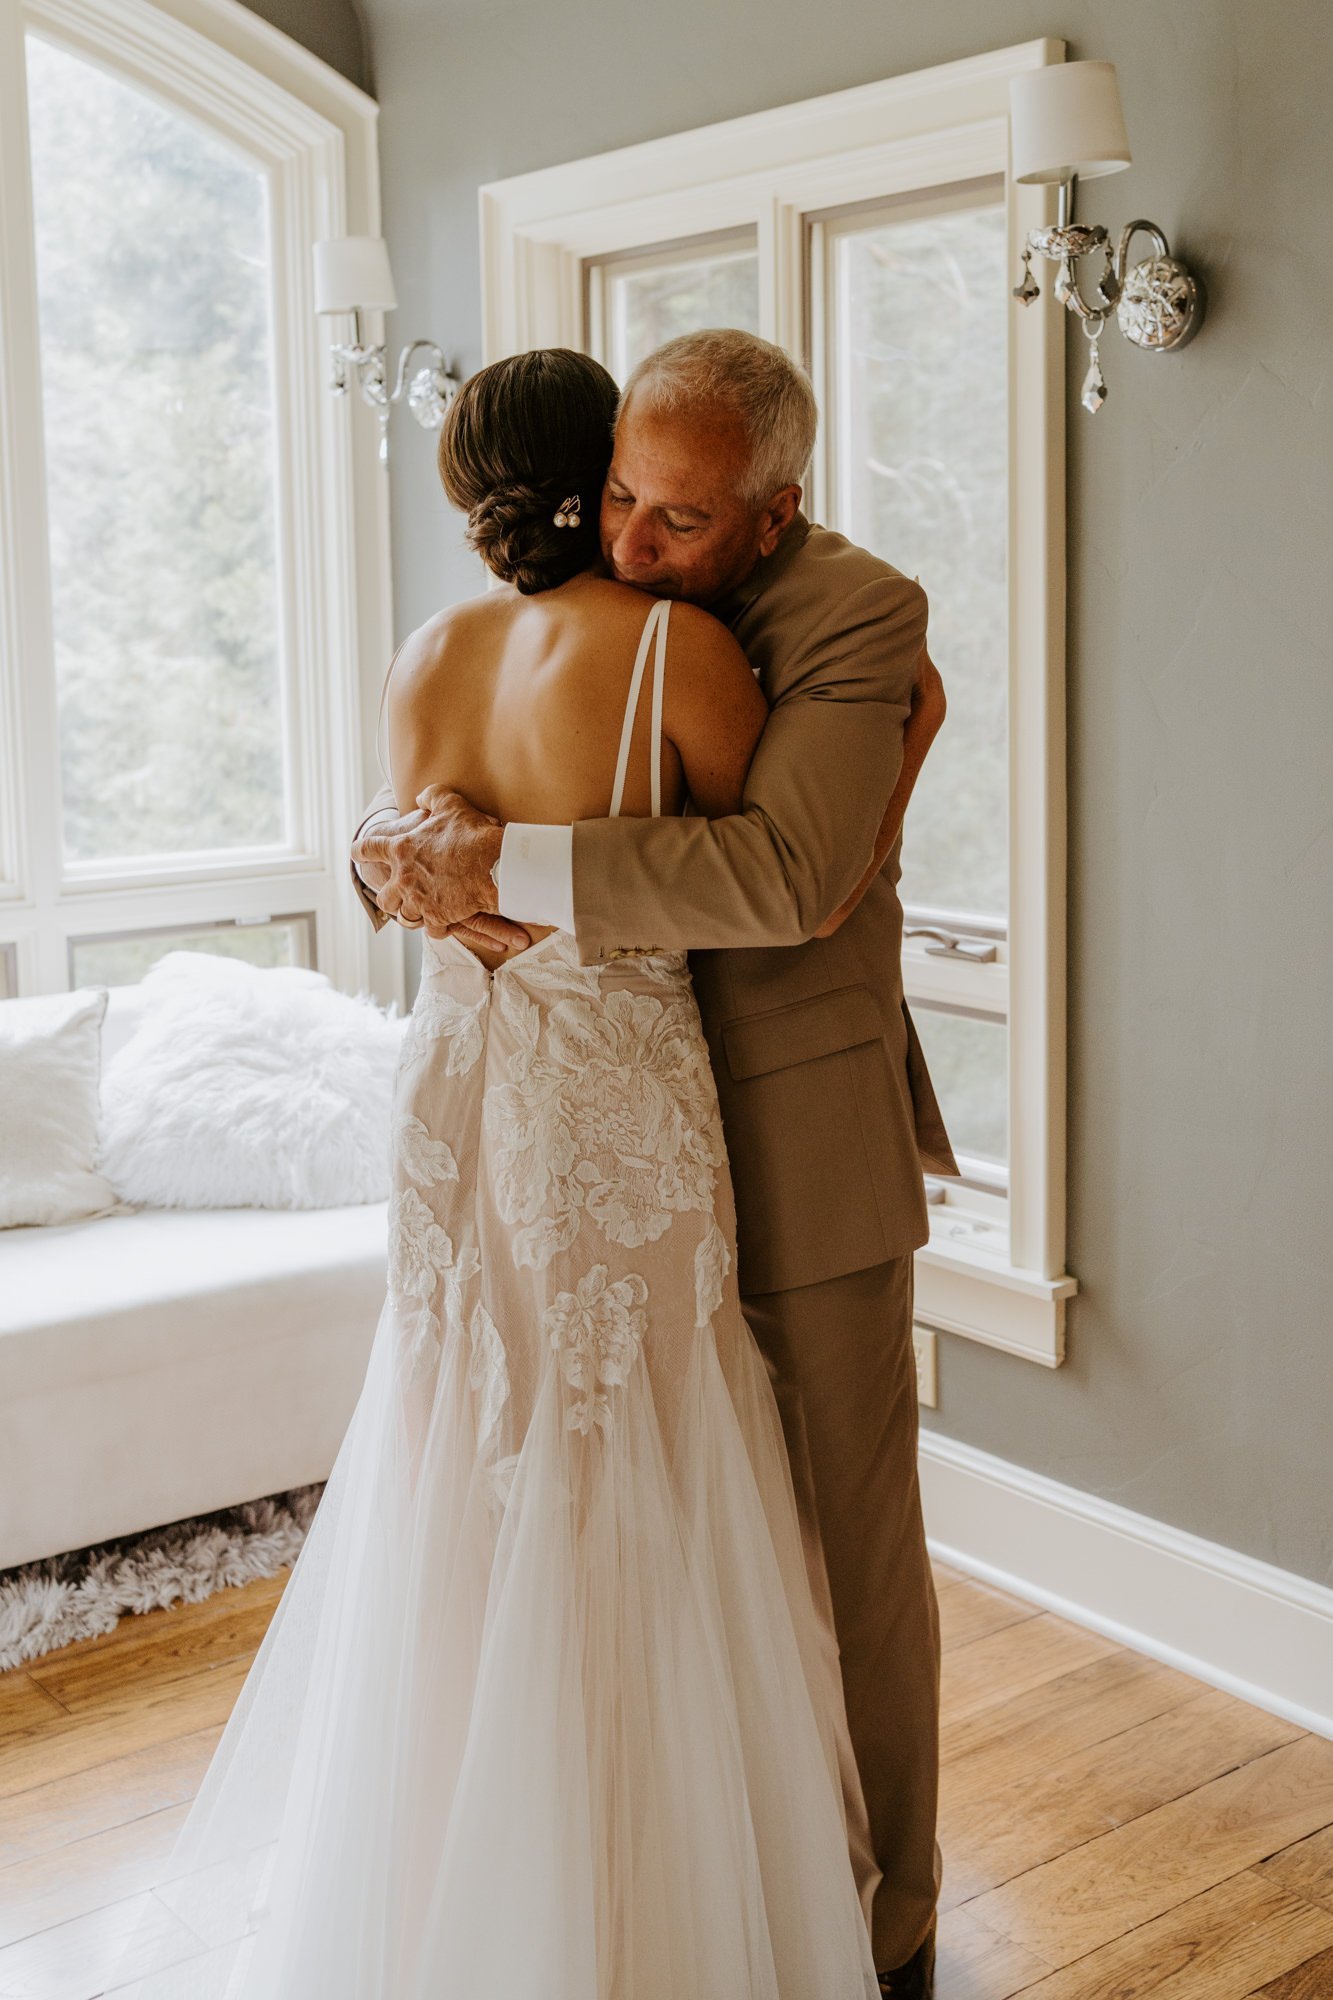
<point x="1258" y="1632"/>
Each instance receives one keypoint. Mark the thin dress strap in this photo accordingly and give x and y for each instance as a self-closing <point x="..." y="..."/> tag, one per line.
<point x="656" y="620"/>
<point x="659" y="677"/>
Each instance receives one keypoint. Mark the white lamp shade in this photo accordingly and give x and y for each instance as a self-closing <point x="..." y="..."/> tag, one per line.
<point x="1065" y="120"/>
<point x="352" y="275"/>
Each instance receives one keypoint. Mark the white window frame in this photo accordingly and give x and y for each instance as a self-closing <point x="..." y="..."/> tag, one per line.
<point x="313" y="136"/>
<point x="775" y="171"/>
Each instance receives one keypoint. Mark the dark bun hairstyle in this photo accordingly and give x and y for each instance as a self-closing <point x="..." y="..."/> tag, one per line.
<point x="519" y="438"/>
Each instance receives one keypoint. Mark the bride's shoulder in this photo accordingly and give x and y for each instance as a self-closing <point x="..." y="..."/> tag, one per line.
<point x="698" y="640"/>
<point x="428" y="650"/>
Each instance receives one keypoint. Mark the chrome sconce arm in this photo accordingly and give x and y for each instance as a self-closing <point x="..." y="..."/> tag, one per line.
<point x="429" y="392"/>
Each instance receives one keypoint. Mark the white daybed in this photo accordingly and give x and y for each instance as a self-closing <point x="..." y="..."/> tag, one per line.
<point x="170" y="1362"/>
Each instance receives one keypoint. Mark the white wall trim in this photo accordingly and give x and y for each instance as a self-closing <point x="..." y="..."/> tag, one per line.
<point x="1258" y="1632"/>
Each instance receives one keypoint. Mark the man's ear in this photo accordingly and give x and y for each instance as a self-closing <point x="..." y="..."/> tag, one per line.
<point x="777" y="517"/>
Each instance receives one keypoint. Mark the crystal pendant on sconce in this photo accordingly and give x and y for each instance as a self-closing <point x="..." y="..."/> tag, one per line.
<point x="1093" y="393"/>
<point x="1029" y="289"/>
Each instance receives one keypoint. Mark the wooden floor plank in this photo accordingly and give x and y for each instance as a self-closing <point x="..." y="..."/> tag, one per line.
<point x="1213" y="1947"/>
<point x="1058" y="1806"/>
<point x="1306" y="1869"/>
<point x="49" y="1816"/>
<point x="23" y="1704"/>
<point x="132" y="1661"/>
<point x="1311" y="1981"/>
<point x="76" y="1743"/>
<point x="973" y="1964"/>
<point x="1009" y="1662"/>
<point x="1004" y="1743"/>
<point x="61" y="1963"/>
<point x="211" y="1977"/>
<point x="70" y="1881"/>
<point x="1070" y="1906"/>
<point x="972" y="1610"/>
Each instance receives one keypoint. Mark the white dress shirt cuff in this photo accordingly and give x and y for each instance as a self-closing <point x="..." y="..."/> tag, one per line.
<point x="535" y="876"/>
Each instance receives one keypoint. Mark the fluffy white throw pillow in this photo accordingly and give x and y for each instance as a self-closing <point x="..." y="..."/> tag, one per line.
<point x="249" y="1087"/>
<point x="50" y="1056"/>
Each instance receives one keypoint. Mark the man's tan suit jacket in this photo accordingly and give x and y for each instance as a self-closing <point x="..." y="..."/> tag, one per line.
<point x="827" y="1105"/>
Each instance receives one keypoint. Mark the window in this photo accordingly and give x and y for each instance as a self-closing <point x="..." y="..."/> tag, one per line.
<point x="180" y="760"/>
<point x="873" y="233"/>
<point x="636" y="302"/>
<point x="908" y="322"/>
<point x="153" y="262"/>
<point x="124" y="957"/>
<point x="914" y="338"/>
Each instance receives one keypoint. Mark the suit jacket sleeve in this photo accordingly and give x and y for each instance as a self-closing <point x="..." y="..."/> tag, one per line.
<point x="814" y="800"/>
<point x="384" y="800"/>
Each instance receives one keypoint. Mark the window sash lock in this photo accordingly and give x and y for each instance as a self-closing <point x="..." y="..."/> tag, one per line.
<point x="950" y="944"/>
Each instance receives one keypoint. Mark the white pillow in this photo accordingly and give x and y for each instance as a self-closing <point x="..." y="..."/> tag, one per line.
<point x="249" y="1087"/>
<point x="50" y="1056"/>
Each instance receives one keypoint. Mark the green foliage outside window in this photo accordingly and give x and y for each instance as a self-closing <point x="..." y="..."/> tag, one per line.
<point x="153" y="286"/>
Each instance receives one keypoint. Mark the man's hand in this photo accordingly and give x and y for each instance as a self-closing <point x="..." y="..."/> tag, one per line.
<point x="919" y="732"/>
<point x="431" y="869"/>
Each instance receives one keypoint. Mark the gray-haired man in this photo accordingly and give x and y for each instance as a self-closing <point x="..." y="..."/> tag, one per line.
<point x="790" y="912"/>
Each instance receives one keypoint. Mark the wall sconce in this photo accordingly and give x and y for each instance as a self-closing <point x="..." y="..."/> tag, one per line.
<point x="1066" y="122"/>
<point x="352" y="275"/>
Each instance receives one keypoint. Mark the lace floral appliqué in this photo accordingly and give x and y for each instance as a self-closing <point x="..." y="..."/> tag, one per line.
<point x="426" y="1160"/>
<point x="712" y="1261"/>
<point x="420" y="1252"/>
<point x="438" y="1017"/>
<point x="488" y="1374"/>
<point x="422" y="1255"/>
<point x="597" y="1331"/>
<point x="612" y="1113"/>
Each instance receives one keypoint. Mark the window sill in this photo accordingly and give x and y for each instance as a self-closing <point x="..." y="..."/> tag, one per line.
<point x="965" y="1284"/>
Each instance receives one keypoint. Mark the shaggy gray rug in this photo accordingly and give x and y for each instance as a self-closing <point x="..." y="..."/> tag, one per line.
<point x="44" y="1605"/>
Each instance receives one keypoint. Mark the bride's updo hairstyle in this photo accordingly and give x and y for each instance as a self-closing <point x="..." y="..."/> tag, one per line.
<point x="520" y="438"/>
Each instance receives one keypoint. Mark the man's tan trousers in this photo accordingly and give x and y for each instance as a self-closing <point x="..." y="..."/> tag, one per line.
<point x="839" y="1356"/>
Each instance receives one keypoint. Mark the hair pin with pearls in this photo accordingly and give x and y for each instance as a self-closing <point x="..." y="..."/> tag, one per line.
<point x="568" y="516"/>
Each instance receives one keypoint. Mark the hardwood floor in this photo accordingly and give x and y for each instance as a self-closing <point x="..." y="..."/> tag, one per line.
<point x="1111" y="1829"/>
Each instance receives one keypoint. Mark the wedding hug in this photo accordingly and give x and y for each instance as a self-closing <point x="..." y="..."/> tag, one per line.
<point x="660" y="1311"/>
<point x="612" y="1575"/>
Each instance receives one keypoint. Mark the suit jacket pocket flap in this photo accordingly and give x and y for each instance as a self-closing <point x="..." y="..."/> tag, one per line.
<point x="819" y="1026"/>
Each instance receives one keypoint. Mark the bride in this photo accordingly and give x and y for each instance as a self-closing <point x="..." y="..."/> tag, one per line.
<point x="542" y="1711"/>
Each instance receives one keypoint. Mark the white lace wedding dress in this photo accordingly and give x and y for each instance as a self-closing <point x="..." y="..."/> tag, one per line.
<point x="544" y="1711"/>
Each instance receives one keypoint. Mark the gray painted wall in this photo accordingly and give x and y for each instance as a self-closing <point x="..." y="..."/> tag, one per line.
<point x="1199" y="1384"/>
<point x="330" y="29"/>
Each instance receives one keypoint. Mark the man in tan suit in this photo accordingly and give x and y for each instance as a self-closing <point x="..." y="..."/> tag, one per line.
<point x="790" y="913"/>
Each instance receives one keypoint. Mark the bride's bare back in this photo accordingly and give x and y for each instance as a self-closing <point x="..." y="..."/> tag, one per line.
<point x="518" y="702"/>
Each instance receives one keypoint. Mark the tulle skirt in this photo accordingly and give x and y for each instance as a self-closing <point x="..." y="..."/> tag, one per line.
<point x="544" y="1709"/>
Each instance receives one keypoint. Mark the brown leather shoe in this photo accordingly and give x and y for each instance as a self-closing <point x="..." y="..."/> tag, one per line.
<point x="916" y="1979"/>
